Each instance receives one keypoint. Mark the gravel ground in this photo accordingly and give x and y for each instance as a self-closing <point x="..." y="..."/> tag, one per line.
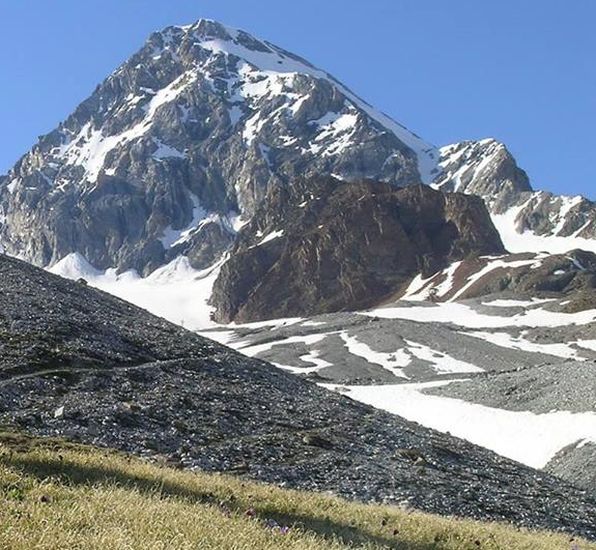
<point x="577" y="462"/>
<point x="230" y="414"/>
<point x="80" y="364"/>
<point x="380" y="335"/>
<point x="569" y="386"/>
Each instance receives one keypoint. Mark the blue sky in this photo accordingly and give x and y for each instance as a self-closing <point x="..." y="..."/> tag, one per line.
<point x="523" y="72"/>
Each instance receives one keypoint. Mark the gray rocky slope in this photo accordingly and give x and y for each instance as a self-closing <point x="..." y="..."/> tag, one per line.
<point x="79" y="363"/>
<point x="529" y="356"/>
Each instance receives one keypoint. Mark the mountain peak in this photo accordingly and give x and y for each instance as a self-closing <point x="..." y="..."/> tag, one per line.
<point x="484" y="168"/>
<point x="187" y="134"/>
<point x="209" y="29"/>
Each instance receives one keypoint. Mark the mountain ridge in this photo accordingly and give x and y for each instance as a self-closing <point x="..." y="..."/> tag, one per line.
<point x="174" y="152"/>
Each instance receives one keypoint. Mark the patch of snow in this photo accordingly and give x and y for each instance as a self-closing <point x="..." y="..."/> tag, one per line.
<point x="335" y="133"/>
<point x="465" y="316"/>
<point x="418" y="290"/>
<point x="236" y="222"/>
<point x="165" y="151"/>
<point x="518" y="303"/>
<point x="529" y="438"/>
<point x="313" y="357"/>
<point x="235" y="113"/>
<point x="567" y="205"/>
<point x="253" y="350"/>
<point x="75" y="266"/>
<point x="271" y="323"/>
<point x="491" y="266"/>
<point x="172" y="237"/>
<point x="313" y="323"/>
<point x="265" y="149"/>
<point x="176" y="291"/>
<point x="279" y="69"/>
<point x="441" y="362"/>
<point x="393" y="362"/>
<point x="91" y="147"/>
<point x="271" y="236"/>
<point x="527" y="241"/>
<point x="508" y="341"/>
<point x="442" y="289"/>
<point x="587" y="344"/>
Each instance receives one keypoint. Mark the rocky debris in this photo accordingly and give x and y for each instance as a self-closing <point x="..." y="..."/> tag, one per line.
<point x="315" y="440"/>
<point x="47" y="322"/>
<point x="523" y="373"/>
<point x="235" y="415"/>
<point x="326" y="335"/>
<point x="576" y="463"/>
<point x="221" y="411"/>
<point x="568" y="386"/>
<point x="183" y="137"/>
<point x="318" y="246"/>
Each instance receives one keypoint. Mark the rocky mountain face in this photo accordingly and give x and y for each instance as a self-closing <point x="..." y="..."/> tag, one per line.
<point x="118" y="377"/>
<point x="317" y="246"/>
<point x="183" y="141"/>
<point x="178" y="149"/>
<point x="487" y="169"/>
<point x="484" y="168"/>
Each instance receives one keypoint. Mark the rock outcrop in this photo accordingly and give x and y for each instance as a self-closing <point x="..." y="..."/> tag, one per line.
<point x="321" y="245"/>
<point x="571" y="275"/>
<point x="487" y="169"/>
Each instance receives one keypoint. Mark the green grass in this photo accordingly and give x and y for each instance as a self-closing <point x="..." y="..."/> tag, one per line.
<point x="56" y="495"/>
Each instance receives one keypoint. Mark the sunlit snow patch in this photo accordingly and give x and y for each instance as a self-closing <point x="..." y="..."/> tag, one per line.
<point x="465" y="316"/>
<point x="529" y="438"/>
<point x="176" y="291"/>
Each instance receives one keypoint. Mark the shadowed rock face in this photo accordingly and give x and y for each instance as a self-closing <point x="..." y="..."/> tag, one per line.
<point x="320" y="245"/>
<point x="113" y="375"/>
